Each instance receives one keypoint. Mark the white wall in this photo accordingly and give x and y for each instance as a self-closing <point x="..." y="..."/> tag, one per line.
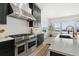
<point x="44" y="23"/>
<point x="44" y="20"/>
<point x="55" y="10"/>
<point x="52" y="10"/>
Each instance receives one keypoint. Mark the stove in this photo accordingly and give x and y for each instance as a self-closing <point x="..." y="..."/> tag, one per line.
<point x="20" y="44"/>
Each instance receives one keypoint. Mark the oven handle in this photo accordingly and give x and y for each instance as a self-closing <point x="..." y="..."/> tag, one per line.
<point x="32" y="40"/>
<point x="18" y="45"/>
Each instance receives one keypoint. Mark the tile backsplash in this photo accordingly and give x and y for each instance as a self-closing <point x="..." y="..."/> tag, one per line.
<point x="14" y="26"/>
<point x="17" y="26"/>
<point x="5" y="33"/>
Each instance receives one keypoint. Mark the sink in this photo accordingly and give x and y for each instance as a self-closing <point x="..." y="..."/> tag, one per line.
<point x="65" y="36"/>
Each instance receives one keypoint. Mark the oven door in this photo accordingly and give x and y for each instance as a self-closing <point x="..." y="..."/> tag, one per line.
<point x="31" y="46"/>
<point x="20" y="49"/>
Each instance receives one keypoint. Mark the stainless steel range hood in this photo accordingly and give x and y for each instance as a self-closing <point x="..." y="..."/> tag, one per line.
<point x="20" y="13"/>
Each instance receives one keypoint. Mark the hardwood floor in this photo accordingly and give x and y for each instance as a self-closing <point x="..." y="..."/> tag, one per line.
<point x="41" y="50"/>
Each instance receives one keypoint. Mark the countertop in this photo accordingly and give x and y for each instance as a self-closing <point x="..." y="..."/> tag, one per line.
<point x="6" y="39"/>
<point x="2" y="39"/>
<point x="10" y="38"/>
<point x="68" y="47"/>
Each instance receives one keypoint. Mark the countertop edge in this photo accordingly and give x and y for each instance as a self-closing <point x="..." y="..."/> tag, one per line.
<point x="6" y="39"/>
<point x="61" y="52"/>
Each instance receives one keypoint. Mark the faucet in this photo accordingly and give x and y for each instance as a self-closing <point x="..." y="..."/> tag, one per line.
<point x="72" y="30"/>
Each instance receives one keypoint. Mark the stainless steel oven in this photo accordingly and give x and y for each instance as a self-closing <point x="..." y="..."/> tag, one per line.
<point x="24" y="45"/>
<point x="20" y="46"/>
<point x="32" y="43"/>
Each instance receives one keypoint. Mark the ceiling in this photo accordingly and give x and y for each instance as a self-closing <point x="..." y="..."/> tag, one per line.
<point x="54" y="10"/>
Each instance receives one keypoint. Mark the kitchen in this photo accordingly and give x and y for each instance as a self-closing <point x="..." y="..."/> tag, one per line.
<point x="17" y="36"/>
<point x="36" y="29"/>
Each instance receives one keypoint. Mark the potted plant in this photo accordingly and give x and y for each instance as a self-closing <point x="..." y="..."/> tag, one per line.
<point x="50" y="30"/>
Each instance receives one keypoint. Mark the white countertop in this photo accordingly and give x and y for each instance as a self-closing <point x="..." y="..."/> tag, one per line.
<point x="9" y="38"/>
<point x="5" y="39"/>
<point x="65" y="46"/>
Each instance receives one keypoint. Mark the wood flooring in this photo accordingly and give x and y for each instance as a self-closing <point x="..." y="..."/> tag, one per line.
<point x="42" y="50"/>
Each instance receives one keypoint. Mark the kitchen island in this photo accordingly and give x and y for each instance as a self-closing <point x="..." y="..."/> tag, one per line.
<point x="64" y="46"/>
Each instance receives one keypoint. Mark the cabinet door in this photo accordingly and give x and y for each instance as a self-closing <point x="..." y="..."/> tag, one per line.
<point x="3" y="13"/>
<point x="40" y="39"/>
<point x="7" y="48"/>
<point x="36" y="12"/>
<point x="39" y="17"/>
<point x="9" y="9"/>
<point x="6" y="51"/>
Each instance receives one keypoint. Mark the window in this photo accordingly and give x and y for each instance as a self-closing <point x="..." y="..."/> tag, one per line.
<point x="57" y="26"/>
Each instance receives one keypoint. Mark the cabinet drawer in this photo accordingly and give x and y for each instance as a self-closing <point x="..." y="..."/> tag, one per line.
<point x="7" y="43"/>
<point x="55" y="54"/>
